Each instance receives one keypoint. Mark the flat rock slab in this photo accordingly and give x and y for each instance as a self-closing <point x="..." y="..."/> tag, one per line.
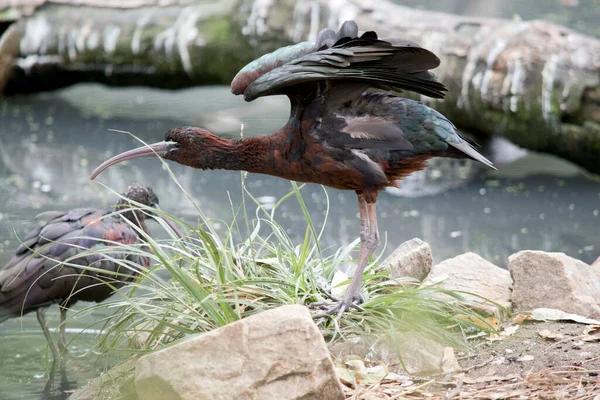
<point x="554" y="280"/>
<point x="277" y="354"/>
<point x="411" y="259"/>
<point x="471" y="273"/>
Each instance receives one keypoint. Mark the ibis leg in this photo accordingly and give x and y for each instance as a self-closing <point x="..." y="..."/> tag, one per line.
<point x="369" y="238"/>
<point x="41" y="317"/>
<point x="62" y="342"/>
<point x="367" y="247"/>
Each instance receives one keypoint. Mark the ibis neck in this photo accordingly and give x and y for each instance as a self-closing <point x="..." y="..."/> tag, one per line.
<point x="254" y="154"/>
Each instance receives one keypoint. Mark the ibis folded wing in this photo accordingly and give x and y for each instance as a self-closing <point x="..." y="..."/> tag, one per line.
<point x="380" y="64"/>
<point x="43" y="269"/>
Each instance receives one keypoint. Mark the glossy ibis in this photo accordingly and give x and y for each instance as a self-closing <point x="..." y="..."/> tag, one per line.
<point x="338" y="134"/>
<point x="44" y="269"/>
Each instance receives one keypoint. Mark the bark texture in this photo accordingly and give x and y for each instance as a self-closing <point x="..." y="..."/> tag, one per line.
<point x="536" y="83"/>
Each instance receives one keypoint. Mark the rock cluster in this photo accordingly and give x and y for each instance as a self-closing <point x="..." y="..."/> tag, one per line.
<point x="534" y="279"/>
<point x="281" y="353"/>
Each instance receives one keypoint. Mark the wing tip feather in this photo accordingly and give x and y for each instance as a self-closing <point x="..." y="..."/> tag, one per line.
<point x="467" y="149"/>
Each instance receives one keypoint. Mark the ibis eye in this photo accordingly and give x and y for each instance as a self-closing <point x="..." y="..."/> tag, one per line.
<point x="171" y="149"/>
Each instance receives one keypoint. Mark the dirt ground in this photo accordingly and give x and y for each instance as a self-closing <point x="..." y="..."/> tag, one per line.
<point x="540" y="360"/>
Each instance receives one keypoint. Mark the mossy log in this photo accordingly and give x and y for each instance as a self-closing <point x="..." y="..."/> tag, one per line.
<point x="536" y="83"/>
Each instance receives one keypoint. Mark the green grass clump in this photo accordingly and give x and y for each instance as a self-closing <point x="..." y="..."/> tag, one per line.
<point x="214" y="280"/>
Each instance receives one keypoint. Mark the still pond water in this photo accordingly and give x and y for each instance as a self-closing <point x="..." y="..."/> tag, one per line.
<point x="49" y="143"/>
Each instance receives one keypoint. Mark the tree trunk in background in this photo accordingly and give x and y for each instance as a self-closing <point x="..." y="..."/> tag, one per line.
<point x="536" y="83"/>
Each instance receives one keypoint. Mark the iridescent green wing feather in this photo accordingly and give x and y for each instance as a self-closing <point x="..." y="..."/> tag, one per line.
<point x="397" y="66"/>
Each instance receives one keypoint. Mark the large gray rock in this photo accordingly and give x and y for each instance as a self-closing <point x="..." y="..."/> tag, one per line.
<point x="554" y="280"/>
<point x="411" y="259"/>
<point x="277" y="354"/>
<point x="471" y="273"/>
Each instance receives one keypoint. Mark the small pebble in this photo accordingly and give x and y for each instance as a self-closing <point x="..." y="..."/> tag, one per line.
<point x="512" y="358"/>
<point x="526" y="358"/>
<point x="509" y="351"/>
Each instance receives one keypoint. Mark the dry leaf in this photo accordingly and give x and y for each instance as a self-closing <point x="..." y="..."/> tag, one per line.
<point x="592" y="334"/>
<point x="520" y="318"/>
<point x="550" y="314"/>
<point x="592" y="330"/>
<point x="485" y="323"/>
<point x="491" y="321"/>
<point x="547" y="334"/>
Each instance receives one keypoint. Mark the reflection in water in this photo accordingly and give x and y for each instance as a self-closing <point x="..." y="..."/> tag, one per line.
<point x="51" y="142"/>
<point x="58" y="386"/>
<point x="26" y="359"/>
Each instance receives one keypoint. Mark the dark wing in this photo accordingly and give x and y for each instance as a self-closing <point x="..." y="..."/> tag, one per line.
<point x="380" y="64"/>
<point x="325" y="39"/>
<point x="362" y="132"/>
<point x="34" y="277"/>
<point x="379" y="121"/>
<point x="267" y="63"/>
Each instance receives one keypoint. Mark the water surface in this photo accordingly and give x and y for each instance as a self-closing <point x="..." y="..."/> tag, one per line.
<point x="51" y="142"/>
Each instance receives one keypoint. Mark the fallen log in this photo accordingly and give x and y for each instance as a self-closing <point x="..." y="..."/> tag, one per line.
<point x="536" y="83"/>
<point x="171" y="46"/>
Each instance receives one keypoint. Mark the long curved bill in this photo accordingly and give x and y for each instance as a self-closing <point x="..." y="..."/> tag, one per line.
<point x="151" y="150"/>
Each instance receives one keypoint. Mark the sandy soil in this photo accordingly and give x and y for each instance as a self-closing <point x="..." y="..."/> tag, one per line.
<point x="524" y="365"/>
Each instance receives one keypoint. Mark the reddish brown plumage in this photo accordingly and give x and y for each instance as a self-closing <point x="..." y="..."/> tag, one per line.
<point x="338" y="134"/>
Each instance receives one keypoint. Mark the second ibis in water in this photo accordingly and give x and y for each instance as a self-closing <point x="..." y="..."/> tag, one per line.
<point x="50" y="264"/>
